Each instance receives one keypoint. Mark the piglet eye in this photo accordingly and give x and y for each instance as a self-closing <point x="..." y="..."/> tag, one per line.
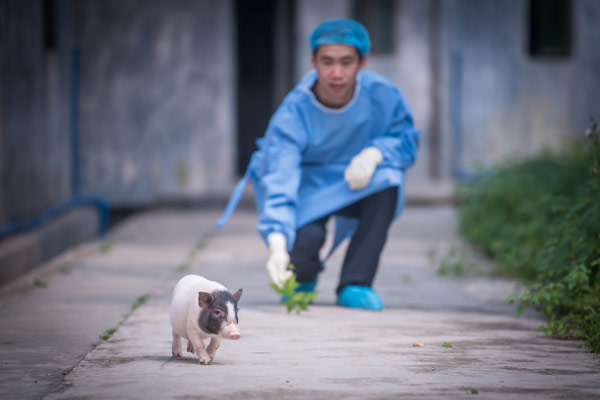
<point x="218" y="313"/>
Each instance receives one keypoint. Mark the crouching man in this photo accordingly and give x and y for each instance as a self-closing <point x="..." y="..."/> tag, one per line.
<point x="337" y="146"/>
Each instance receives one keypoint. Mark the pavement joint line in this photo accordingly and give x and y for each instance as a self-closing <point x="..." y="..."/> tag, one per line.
<point x="197" y="248"/>
<point x="63" y="385"/>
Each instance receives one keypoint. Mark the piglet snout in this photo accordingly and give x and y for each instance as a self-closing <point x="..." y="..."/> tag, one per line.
<point x="231" y="331"/>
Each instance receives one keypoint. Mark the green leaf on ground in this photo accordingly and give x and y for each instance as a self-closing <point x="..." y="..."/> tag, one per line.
<point x="106" y="247"/>
<point x="40" y="283"/>
<point x="182" y="268"/>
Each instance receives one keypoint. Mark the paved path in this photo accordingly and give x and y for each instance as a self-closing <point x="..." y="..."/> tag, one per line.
<point x="50" y="348"/>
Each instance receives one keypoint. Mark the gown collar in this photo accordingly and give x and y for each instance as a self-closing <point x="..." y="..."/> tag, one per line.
<point x="306" y="88"/>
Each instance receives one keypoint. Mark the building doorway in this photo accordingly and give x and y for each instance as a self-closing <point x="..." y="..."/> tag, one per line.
<point x="265" y="37"/>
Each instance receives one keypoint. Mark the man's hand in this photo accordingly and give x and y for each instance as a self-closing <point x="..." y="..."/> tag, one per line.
<point x="360" y="170"/>
<point x="279" y="259"/>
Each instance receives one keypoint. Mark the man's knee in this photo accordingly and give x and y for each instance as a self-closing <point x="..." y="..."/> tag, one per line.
<point x="310" y="238"/>
<point x="386" y="196"/>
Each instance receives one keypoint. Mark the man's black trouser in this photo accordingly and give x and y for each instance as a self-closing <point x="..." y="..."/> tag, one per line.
<point x="375" y="214"/>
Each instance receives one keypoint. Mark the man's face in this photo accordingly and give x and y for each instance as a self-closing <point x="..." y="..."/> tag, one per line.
<point x="336" y="65"/>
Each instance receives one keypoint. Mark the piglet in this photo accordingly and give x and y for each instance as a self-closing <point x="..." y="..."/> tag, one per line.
<point x="203" y="309"/>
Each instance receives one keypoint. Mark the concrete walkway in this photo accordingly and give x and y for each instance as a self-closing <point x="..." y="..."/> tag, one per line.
<point x="50" y="346"/>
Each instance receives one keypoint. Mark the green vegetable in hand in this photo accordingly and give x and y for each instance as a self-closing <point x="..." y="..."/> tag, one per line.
<point x="298" y="300"/>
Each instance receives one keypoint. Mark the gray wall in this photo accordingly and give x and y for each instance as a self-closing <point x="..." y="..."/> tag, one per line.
<point x="514" y="104"/>
<point x="585" y="98"/>
<point x="157" y="95"/>
<point x="157" y="111"/>
<point x="34" y="110"/>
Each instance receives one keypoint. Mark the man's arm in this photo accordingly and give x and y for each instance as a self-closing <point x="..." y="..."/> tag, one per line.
<point x="399" y="145"/>
<point x="280" y="183"/>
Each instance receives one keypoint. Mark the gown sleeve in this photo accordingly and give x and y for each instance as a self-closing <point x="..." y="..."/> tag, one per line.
<point x="284" y="141"/>
<point x="399" y="142"/>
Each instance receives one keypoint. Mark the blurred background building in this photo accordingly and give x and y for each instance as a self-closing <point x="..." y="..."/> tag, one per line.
<point x="130" y="103"/>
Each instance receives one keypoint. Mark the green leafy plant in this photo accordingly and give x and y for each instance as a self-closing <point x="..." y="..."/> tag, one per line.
<point x="293" y="299"/>
<point x="539" y="220"/>
<point x="447" y="345"/>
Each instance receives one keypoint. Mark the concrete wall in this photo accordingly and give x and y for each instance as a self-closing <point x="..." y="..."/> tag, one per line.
<point x="585" y="92"/>
<point x="409" y="68"/>
<point x="34" y="110"/>
<point x="157" y="92"/>
<point x="484" y="42"/>
<point x="157" y="110"/>
<point x="512" y="104"/>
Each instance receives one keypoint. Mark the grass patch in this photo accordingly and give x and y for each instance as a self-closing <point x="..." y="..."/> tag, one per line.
<point x="106" y="247"/>
<point x="139" y="301"/>
<point x="199" y="246"/>
<point x="456" y="263"/>
<point x="64" y="270"/>
<point x="107" y="333"/>
<point x="447" y="345"/>
<point x="182" y="268"/>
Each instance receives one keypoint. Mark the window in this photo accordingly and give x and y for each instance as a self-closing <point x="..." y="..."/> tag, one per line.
<point x="377" y="16"/>
<point x="550" y="28"/>
<point x="49" y="25"/>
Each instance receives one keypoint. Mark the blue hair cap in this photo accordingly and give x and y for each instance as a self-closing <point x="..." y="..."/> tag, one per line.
<point x="341" y="31"/>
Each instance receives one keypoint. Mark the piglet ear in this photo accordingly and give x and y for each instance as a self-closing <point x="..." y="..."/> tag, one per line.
<point x="237" y="295"/>
<point x="205" y="299"/>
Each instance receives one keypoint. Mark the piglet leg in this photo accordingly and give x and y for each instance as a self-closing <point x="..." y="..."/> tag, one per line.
<point x="190" y="347"/>
<point x="176" y="347"/>
<point x="198" y="343"/>
<point x="213" y="346"/>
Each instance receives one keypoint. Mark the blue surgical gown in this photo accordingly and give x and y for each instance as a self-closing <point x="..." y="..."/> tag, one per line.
<point x="298" y="170"/>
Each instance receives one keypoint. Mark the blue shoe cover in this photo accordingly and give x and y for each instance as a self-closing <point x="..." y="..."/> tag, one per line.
<point x="360" y="297"/>
<point x="304" y="287"/>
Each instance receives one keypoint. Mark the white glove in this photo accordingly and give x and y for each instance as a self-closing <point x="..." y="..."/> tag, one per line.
<point x="279" y="259"/>
<point x="360" y="170"/>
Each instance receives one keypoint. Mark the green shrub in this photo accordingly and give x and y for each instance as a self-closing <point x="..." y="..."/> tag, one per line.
<point x="539" y="221"/>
